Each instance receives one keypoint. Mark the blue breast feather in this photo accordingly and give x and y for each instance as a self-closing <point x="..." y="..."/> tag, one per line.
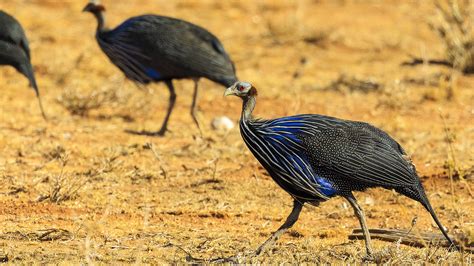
<point x="152" y="73"/>
<point x="283" y="134"/>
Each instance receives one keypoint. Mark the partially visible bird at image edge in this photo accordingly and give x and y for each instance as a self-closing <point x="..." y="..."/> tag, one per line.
<point x="15" y="51"/>
<point x="152" y="48"/>
<point x="317" y="157"/>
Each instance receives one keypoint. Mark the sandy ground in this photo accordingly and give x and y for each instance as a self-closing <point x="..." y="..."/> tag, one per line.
<point x="79" y="189"/>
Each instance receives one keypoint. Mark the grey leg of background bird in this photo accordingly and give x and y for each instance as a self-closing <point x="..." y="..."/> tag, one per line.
<point x="290" y="221"/>
<point x="171" y="103"/>
<point x="360" y="215"/>
<point x="193" y="105"/>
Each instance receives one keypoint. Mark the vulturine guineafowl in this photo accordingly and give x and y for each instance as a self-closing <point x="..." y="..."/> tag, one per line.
<point x="15" y="51"/>
<point x="316" y="157"/>
<point x="151" y="48"/>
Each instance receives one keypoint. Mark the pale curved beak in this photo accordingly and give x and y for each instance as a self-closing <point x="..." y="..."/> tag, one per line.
<point x="229" y="91"/>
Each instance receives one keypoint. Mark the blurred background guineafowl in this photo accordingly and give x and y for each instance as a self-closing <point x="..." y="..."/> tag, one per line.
<point x="15" y="51"/>
<point x="316" y="157"/>
<point x="153" y="48"/>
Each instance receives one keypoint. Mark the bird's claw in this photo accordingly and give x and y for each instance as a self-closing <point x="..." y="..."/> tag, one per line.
<point x="369" y="257"/>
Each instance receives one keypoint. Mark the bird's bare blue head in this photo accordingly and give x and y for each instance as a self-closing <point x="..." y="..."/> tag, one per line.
<point x="241" y="89"/>
<point x="94" y="8"/>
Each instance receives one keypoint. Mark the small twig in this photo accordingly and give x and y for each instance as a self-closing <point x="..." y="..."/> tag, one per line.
<point x="415" y="240"/>
<point x="450" y="169"/>
<point x="420" y="61"/>
<point x="150" y="146"/>
<point x="189" y="257"/>
<point x="214" y="172"/>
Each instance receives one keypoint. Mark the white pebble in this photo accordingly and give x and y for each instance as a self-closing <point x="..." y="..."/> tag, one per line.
<point x="67" y="136"/>
<point x="222" y="123"/>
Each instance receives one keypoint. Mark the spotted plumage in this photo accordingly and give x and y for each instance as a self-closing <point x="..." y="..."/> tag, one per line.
<point x="316" y="157"/>
<point x="152" y="48"/>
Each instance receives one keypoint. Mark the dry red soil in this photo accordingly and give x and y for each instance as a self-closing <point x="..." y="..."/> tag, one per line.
<point x="79" y="189"/>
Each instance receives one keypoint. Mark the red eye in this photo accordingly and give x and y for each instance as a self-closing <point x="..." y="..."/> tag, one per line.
<point x="241" y="88"/>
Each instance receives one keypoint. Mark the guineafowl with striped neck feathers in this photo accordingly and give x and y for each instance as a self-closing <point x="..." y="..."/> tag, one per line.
<point x="315" y="158"/>
<point x="152" y="48"/>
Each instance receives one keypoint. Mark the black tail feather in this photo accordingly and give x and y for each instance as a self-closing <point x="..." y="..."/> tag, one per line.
<point x="428" y="207"/>
<point x="419" y="195"/>
<point x="27" y="70"/>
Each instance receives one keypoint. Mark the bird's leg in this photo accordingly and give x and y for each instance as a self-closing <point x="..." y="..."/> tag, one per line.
<point x="290" y="221"/>
<point x="171" y="103"/>
<point x="360" y="215"/>
<point x="193" y="105"/>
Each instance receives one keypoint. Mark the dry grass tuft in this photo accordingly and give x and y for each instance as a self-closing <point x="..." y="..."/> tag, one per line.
<point x="454" y="24"/>
<point x="55" y="153"/>
<point x="81" y="103"/>
<point x="346" y="83"/>
<point x="455" y="170"/>
<point x="395" y="96"/>
<point x="293" y="27"/>
<point x="63" y="186"/>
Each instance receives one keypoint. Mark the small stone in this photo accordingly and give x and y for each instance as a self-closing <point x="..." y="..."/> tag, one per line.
<point x="67" y="136"/>
<point x="222" y="123"/>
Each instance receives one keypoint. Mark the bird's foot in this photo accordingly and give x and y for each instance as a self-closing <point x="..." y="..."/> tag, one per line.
<point x="240" y="258"/>
<point x="159" y="133"/>
<point x="454" y="248"/>
<point x="44" y="116"/>
<point x="369" y="257"/>
<point x="196" y="122"/>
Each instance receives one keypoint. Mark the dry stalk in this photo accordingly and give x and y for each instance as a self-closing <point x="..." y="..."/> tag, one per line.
<point x="150" y="146"/>
<point x="81" y="104"/>
<point x="454" y="170"/>
<point x="455" y="27"/>
<point x="63" y="186"/>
